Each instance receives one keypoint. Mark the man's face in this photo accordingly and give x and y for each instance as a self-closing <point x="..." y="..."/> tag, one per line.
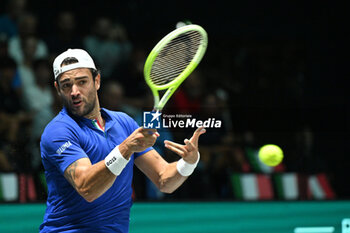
<point x="78" y="91"/>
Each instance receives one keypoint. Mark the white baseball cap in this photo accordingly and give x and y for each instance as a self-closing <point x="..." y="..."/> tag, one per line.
<point x="84" y="61"/>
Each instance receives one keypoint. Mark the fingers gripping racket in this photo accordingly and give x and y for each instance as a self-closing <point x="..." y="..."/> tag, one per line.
<point x="172" y="60"/>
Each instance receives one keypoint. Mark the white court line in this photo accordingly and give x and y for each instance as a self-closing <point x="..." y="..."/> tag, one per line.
<point x="314" y="230"/>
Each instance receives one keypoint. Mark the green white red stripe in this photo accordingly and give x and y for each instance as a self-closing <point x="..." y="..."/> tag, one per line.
<point x="320" y="187"/>
<point x="252" y="186"/>
<point x="17" y="187"/>
<point x="8" y="187"/>
<point x="287" y="186"/>
<point x="97" y="124"/>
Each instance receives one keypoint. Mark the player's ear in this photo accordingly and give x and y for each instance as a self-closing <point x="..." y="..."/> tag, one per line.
<point x="97" y="81"/>
<point x="57" y="88"/>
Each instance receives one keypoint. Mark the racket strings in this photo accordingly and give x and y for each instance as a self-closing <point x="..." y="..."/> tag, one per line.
<point x="173" y="59"/>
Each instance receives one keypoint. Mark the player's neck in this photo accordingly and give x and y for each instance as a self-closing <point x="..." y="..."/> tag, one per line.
<point x="96" y="114"/>
<point x="99" y="120"/>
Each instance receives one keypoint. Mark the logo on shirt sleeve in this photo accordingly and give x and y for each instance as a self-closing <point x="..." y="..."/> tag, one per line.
<point x="63" y="147"/>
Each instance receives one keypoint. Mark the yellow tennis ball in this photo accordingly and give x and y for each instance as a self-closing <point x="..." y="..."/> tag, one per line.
<point x="271" y="155"/>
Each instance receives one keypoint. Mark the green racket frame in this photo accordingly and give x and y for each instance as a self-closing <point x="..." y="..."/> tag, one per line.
<point x="174" y="84"/>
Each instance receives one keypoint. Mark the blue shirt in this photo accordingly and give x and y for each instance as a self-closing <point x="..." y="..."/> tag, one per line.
<point x="67" y="139"/>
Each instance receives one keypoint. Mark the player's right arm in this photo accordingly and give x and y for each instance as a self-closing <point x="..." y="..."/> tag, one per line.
<point x="91" y="181"/>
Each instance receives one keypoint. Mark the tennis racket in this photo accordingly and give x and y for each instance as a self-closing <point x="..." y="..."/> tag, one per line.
<point x="172" y="60"/>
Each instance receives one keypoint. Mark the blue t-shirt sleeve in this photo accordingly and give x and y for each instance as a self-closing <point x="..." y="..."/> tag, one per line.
<point x="132" y="126"/>
<point x="61" y="146"/>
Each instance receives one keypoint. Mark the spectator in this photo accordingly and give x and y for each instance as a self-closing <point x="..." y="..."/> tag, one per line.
<point x="112" y="97"/>
<point x="8" y="21"/>
<point x="3" y="46"/>
<point x="131" y="77"/>
<point x="16" y="82"/>
<point x="12" y="118"/>
<point x="222" y="153"/>
<point x="109" y="44"/>
<point x="66" y="36"/>
<point x="40" y="103"/>
<point x="187" y="100"/>
<point x="119" y="37"/>
<point x="28" y="46"/>
<point x="27" y="26"/>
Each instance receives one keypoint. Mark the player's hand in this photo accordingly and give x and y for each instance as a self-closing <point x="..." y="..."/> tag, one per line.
<point x="188" y="151"/>
<point x="138" y="141"/>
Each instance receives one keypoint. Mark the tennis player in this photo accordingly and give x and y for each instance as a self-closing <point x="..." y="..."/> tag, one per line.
<point x="88" y="154"/>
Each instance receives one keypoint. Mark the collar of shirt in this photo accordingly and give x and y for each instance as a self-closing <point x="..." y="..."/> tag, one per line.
<point x="90" y="123"/>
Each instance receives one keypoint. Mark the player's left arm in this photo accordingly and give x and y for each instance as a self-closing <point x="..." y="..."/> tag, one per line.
<point x="166" y="175"/>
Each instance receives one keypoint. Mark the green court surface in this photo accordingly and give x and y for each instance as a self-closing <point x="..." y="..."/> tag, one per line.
<point x="202" y="217"/>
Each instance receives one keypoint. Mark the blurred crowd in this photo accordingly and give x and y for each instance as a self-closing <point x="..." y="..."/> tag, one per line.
<point x="255" y="87"/>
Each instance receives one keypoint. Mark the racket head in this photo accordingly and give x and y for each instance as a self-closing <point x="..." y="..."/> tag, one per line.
<point x="173" y="59"/>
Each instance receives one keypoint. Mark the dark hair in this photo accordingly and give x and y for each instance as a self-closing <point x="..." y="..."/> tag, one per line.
<point x="69" y="60"/>
<point x="72" y="60"/>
